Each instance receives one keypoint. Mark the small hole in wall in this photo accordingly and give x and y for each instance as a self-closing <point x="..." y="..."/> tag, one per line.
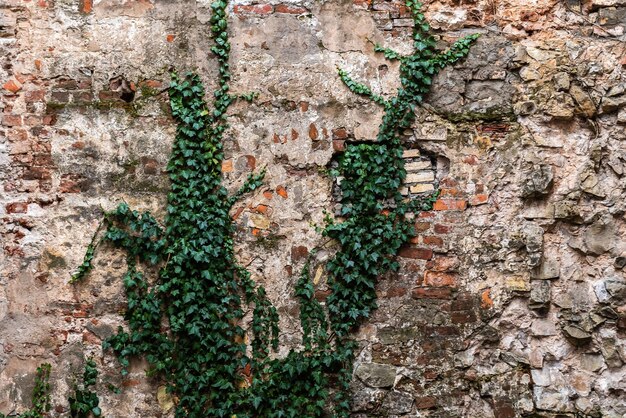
<point x="442" y="167"/>
<point x="125" y="88"/>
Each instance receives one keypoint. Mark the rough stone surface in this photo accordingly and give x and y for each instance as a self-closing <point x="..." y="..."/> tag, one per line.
<point x="509" y="302"/>
<point x="376" y="375"/>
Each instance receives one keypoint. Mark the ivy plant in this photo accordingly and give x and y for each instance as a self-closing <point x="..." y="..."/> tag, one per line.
<point x="84" y="403"/>
<point x="41" y="394"/>
<point x="189" y="321"/>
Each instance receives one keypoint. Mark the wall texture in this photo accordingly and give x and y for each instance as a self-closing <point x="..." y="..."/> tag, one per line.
<point x="510" y="302"/>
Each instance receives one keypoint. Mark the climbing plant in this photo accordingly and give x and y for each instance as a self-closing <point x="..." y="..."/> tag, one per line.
<point x="41" y="394"/>
<point x="84" y="402"/>
<point x="189" y="322"/>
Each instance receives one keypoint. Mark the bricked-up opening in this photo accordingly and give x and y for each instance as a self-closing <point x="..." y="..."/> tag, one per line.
<point x="422" y="173"/>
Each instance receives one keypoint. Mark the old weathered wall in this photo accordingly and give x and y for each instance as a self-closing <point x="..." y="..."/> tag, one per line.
<point x="511" y="300"/>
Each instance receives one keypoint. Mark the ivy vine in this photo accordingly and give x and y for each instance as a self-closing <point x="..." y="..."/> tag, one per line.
<point x="189" y="322"/>
<point x="41" y="394"/>
<point x="84" y="402"/>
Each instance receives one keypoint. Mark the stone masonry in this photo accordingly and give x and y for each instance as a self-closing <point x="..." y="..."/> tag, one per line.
<point x="511" y="300"/>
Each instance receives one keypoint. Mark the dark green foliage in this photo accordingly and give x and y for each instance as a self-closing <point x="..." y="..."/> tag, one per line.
<point x="375" y="225"/>
<point x="83" y="402"/>
<point x="188" y="322"/>
<point x="41" y="394"/>
<point x="87" y="265"/>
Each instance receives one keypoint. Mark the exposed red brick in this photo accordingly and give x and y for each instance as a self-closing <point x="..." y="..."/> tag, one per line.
<point x="396" y="292"/>
<point x="426" y="214"/>
<point x="449" y="182"/>
<point x="15" y="135"/>
<point x="339" y="145"/>
<point x="250" y="162"/>
<point x="90" y="338"/>
<point x="17" y="207"/>
<point x="12" y="85"/>
<point x="479" y="199"/>
<point x="237" y="213"/>
<point x="262" y="208"/>
<point x="12" y="120"/>
<point x="257" y="9"/>
<point x="416" y="253"/>
<point x="441" y="263"/>
<point x="433" y="240"/>
<point x="431" y="293"/>
<point x="170" y="38"/>
<point x="321" y="295"/>
<point x="282" y="192"/>
<point x="83" y="96"/>
<point x="486" y="301"/>
<point x="43" y="160"/>
<point x="49" y="120"/>
<point x="106" y="95"/>
<point x="37" y="173"/>
<point x="362" y="4"/>
<point x="67" y="84"/>
<point x="289" y="9"/>
<point x="86" y="6"/>
<point x="35" y="95"/>
<point x="79" y="313"/>
<point x="463" y="302"/>
<point x="442" y="229"/>
<point x="462" y="317"/>
<point x="294" y="134"/>
<point x="449" y="192"/>
<point x="340" y="133"/>
<point x="154" y="84"/>
<point x="439" y="279"/>
<point x="299" y="253"/>
<point x="503" y="408"/>
<point x="422" y="226"/>
<point x="450" y="204"/>
<point x="268" y="194"/>
<point x="313" y="133"/>
<point x="425" y="402"/>
<point x="453" y="217"/>
<point x="431" y="374"/>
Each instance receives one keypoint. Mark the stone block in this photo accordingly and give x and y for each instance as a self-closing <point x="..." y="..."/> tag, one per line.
<point x="420" y="177"/>
<point x="548" y="269"/>
<point x="376" y="375"/>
